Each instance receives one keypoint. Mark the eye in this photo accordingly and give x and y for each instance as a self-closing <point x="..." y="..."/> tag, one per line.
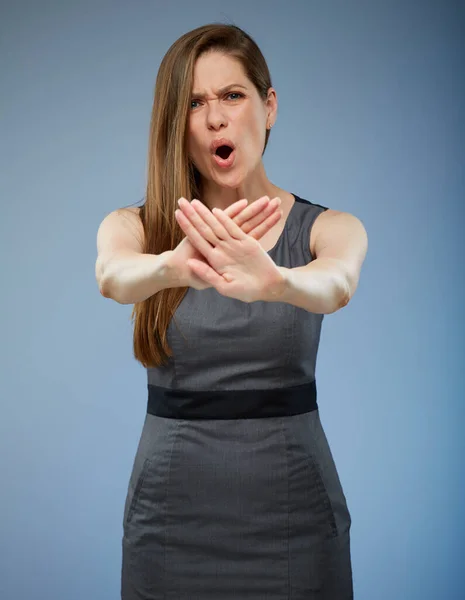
<point x="193" y="101"/>
<point x="235" y="94"/>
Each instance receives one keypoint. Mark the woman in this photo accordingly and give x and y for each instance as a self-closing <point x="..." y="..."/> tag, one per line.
<point x="233" y="493"/>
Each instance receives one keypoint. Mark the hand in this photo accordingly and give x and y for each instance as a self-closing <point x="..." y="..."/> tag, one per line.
<point x="236" y="265"/>
<point x="254" y="220"/>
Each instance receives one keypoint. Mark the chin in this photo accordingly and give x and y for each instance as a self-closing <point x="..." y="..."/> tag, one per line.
<point x="233" y="179"/>
<point x="229" y="182"/>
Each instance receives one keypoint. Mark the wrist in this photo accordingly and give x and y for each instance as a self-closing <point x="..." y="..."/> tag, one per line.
<point x="276" y="291"/>
<point x="171" y="271"/>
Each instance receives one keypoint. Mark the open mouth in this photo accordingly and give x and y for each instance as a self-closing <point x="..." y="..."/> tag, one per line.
<point x="224" y="152"/>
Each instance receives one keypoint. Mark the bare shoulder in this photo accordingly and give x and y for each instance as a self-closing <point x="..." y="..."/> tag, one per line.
<point x="121" y="229"/>
<point x="132" y="209"/>
<point x="333" y="228"/>
<point x="129" y="212"/>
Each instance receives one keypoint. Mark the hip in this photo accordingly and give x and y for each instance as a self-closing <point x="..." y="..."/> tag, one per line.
<point x="249" y="470"/>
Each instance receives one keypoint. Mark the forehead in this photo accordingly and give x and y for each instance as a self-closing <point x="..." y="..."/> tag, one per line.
<point x="215" y="70"/>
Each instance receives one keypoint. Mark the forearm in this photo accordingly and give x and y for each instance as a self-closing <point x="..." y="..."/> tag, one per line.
<point x="320" y="287"/>
<point x="132" y="277"/>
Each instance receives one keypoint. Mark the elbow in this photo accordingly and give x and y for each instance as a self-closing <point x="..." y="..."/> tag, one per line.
<point x="342" y="295"/>
<point x="99" y="276"/>
<point x="346" y="292"/>
<point x="108" y="289"/>
<point x="103" y="289"/>
<point x="106" y="281"/>
<point x="102" y="281"/>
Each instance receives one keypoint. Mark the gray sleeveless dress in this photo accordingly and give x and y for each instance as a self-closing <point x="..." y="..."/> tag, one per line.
<point x="234" y="494"/>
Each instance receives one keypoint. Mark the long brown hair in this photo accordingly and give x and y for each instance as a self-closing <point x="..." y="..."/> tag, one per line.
<point x="171" y="174"/>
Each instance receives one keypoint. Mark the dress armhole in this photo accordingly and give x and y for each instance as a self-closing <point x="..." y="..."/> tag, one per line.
<point x="313" y="212"/>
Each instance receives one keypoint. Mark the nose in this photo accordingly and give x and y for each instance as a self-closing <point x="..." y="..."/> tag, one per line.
<point x="215" y="116"/>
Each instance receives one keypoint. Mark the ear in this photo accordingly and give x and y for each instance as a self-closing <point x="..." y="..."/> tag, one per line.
<point x="272" y="106"/>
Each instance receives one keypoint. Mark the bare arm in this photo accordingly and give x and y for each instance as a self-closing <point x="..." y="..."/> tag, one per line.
<point x="123" y="272"/>
<point x="328" y="283"/>
<point x="128" y="276"/>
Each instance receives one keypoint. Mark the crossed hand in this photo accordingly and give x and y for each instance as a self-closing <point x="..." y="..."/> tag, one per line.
<point x="227" y="258"/>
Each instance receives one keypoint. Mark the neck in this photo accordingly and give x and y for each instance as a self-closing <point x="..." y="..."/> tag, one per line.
<point x="256" y="186"/>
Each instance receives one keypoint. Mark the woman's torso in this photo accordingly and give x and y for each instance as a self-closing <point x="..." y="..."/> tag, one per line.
<point x="220" y="343"/>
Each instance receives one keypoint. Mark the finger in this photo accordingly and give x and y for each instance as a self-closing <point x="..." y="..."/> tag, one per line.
<point x="257" y="219"/>
<point x="196" y="238"/>
<point x="210" y="220"/>
<point x="205" y="272"/>
<point x="234" y="230"/>
<point x="259" y="231"/>
<point x="240" y="212"/>
<point x="210" y="229"/>
<point x="246" y="212"/>
<point x="236" y="208"/>
<point x="257" y="207"/>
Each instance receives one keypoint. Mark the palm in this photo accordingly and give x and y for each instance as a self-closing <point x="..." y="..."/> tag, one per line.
<point x="184" y="252"/>
<point x="232" y="261"/>
<point x="247" y="270"/>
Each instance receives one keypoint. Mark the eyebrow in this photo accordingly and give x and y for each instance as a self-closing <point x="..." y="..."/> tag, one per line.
<point x="221" y="90"/>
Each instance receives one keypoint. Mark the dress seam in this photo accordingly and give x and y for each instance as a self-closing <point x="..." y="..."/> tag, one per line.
<point x="288" y="510"/>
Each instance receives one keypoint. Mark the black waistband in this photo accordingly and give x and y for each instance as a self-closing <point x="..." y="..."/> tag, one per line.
<point x="231" y="404"/>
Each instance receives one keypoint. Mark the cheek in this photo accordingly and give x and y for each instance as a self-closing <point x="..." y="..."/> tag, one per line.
<point x="255" y="136"/>
<point x="195" y="153"/>
<point x="192" y="145"/>
<point x="255" y="126"/>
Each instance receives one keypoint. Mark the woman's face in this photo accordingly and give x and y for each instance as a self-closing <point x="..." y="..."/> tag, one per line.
<point x="237" y="114"/>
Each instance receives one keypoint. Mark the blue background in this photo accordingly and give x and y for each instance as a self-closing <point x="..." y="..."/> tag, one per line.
<point x="371" y="121"/>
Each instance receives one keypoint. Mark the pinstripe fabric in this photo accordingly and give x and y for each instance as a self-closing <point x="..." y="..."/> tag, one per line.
<point x="238" y="504"/>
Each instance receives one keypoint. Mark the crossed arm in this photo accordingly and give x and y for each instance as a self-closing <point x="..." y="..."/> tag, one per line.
<point x="326" y="284"/>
